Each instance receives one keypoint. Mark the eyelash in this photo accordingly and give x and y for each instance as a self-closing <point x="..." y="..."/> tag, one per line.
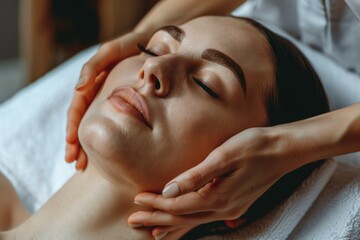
<point x="205" y="88"/>
<point x="143" y="49"/>
<point x="213" y="94"/>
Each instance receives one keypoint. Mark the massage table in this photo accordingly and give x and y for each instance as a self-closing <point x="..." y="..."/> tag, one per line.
<point x="32" y="149"/>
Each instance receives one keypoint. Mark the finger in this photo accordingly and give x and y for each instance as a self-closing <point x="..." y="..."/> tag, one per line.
<point x="78" y="107"/>
<point x="215" y="165"/>
<point x="100" y="79"/>
<point x="215" y="196"/>
<point x="72" y="152"/>
<point x="108" y="55"/>
<point x="76" y="111"/>
<point x="81" y="161"/>
<point x="160" y="218"/>
<point x="169" y="233"/>
<point x="189" y="203"/>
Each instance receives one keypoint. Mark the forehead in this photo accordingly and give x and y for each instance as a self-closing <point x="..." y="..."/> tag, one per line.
<point x="225" y="33"/>
<point x="235" y="37"/>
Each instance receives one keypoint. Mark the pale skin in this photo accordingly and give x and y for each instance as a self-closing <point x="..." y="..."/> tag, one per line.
<point x="284" y="147"/>
<point x="128" y="155"/>
<point x="92" y="75"/>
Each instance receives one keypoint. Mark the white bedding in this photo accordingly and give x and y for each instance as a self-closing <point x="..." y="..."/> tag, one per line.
<point x="32" y="147"/>
<point x="32" y="133"/>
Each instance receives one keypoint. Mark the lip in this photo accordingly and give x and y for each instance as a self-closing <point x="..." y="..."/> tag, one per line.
<point x="128" y="100"/>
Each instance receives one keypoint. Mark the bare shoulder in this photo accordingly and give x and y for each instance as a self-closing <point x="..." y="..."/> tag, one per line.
<point x="12" y="211"/>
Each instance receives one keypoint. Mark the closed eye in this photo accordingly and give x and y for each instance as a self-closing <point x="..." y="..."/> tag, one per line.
<point x="213" y="94"/>
<point x="205" y="88"/>
<point x="143" y="49"/>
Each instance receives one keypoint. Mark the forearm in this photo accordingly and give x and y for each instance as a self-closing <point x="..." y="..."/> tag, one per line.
<point x="179" y="11"/>
<point x="320" y="137"/>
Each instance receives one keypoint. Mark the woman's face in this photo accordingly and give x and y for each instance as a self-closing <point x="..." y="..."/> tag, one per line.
<point x="163" y="111"/>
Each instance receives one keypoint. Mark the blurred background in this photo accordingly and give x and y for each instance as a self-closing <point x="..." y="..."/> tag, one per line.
<point x="38" y="35"/>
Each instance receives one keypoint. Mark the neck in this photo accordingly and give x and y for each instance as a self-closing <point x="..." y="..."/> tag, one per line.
<point x="88" y="206"/>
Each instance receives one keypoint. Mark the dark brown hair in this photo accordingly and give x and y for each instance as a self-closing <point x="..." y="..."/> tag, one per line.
<point x="298" y="95"/>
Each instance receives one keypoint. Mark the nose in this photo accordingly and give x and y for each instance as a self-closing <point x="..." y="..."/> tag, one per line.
<point x="159" y="73"/>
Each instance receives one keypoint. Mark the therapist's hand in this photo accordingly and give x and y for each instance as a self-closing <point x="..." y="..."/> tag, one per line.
<point x="234" y="175"/>
<point x="92" y="76"/>
<point x="222" y="187"/>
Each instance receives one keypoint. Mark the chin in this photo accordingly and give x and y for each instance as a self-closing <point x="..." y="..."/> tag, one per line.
<point x="118" y="151"/>
<point x="95" y="136"/>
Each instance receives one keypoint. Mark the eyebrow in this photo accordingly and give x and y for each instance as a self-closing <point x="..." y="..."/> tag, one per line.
<point x="177" y="33"/>
<point x="218" y="57"/>
<point x="211" y="55"/>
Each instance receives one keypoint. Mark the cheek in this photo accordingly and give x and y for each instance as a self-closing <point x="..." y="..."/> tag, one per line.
<point x="192" y="133"/>
<point x="124" y="73"/>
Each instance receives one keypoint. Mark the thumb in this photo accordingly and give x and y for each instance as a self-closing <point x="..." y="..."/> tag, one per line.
<point x="193" y="179"/>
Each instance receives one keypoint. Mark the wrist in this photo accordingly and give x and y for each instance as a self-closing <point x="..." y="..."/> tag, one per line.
<point x="306" y="141"/>
<point x="272" y="145"/>
<point x="289" y="147"/>
<point x="139" y="36"/>
<point x="128" y="43"/>
<point x="144" y="32"/>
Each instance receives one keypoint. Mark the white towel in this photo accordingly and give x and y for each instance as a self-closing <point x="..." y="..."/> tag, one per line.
<point x="336" y="212"/>
<point x="281" y="221"/>
<point x="32" y="134"/>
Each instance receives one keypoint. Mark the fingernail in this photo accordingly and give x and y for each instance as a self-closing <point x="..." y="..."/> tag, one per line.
<point x="160" y="236"/>
<point x="80" y="83"/>
<point x="171" y="191"/>
<point x="134" y="225"/>
<point x="138" y="203"/>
